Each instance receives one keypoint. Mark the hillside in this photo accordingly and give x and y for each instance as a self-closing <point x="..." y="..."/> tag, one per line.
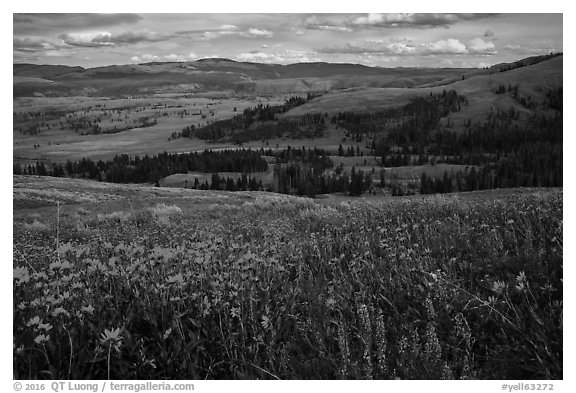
<point x="215" y="74"/>
<point x="190" y="284"/>
<point x="534" y="81"/>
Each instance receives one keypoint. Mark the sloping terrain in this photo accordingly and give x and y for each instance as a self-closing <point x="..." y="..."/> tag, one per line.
<point x="215" y="74"/>
<point x="139" y="282"/>
<point x="534" y="81"/>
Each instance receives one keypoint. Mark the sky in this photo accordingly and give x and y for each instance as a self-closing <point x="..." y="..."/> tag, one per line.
<point x="374" y="39"/>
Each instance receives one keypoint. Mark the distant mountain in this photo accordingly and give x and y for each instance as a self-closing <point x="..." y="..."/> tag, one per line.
<point x="214" y="75"/>
<point x="44" y="71"/>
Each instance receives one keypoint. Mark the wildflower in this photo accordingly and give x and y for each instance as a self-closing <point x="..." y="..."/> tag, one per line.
<point x="167" y="333"/>
<point x="45" y="326"/>
<point x="432" y="349"/>
<point x="112" y="338"/>
<point x="498" y="287"/>
<point x="77" y="285"/>
<point x="521" y="277"/>
<point x="60" y="310"/>
<point x="235" y="312"/>
<point x="330" y="302"/>
<point x="548" y="288"/>
<point x="41" y="339"/>
<point x="34" y="321"/>
<point x="491" y="301"/>
<point x="177" y="279"/>
<point x="40" y="275"/>
<point x="266" y="323"/>
<point x="521" y="281"/>
<point x="60" y="265"/>
<point x="36" y="302"/>
<point x="88" y="309"/>
<point x="21" y="275"/>
<point x="430" y="312"/>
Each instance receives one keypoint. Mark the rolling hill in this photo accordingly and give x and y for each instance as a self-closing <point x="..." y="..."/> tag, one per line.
<point x="528" y="81"/>
<point x="215" y="74"/>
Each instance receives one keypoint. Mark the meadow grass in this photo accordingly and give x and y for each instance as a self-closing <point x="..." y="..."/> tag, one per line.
<point x="279" y="287"/>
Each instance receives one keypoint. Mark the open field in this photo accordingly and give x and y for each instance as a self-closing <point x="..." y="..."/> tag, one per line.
<point x="167" y="113"/>
<point x="133" y="282"/>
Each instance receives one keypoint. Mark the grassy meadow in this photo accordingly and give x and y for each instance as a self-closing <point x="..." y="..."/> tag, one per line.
<point x="137" y="282"/>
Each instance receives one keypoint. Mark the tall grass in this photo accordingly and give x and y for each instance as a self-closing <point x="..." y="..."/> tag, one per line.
<point x="432" y="289"/>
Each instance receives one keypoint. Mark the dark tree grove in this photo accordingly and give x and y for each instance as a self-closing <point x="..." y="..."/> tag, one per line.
<point x="260" y="123"/>
<point x="149" y="169"/>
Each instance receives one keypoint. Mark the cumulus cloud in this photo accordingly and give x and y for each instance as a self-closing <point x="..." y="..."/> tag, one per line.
<point x="112" y="39"/>
<point x="399" y="47"/>
<point x="376" y="20"/>
<point x="259" y="32"/>
<point x="479" y="46"/>
<point x="404" y="47"/>
<point x="488" y="33"/>
<point x="257" y="56"/>
<point x="379" y="47"/>
<point x="228" y="27"/>
<point x="284" y="57"/>
<point x="444" y="47"/>
<point x="147" y="57"/>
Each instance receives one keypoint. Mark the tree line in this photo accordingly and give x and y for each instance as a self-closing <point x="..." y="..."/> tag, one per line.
<point x="260" y="123"/>
<point x="149" y="169"/>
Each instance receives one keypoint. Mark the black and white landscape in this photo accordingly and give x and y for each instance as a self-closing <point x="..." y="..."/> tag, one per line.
<point x="288" y="196"/>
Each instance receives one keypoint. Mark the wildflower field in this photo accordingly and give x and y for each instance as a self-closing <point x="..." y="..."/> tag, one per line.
<point x="143" y="283"/>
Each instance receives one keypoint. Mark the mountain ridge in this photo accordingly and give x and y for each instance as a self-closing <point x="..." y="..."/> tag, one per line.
<point x="222" y="74"/>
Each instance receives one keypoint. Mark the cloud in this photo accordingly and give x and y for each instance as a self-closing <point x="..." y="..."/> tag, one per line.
<point x="414" y="20"/>
<point x="531" y="50"/>
<point x="489" y="33"/>
<point x="259" y="32"/>
<point x="28" y="44"/>
<point x="315" y="22"/>
<point x="228" y="27"/>
<point x="231" y="30"/>
<point x="379" y="47"/>
<point x="400" y="47"/>
<point x="147" y="57"/>
<point x="26" y="23"/>
<point x="423" y="21"/>
<point x="444" y="47"/>
<point x="257" y="56"/>
<point x="479" y="46"/>
<point x="110" y="39"/>
<point x="284" y="57"/>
